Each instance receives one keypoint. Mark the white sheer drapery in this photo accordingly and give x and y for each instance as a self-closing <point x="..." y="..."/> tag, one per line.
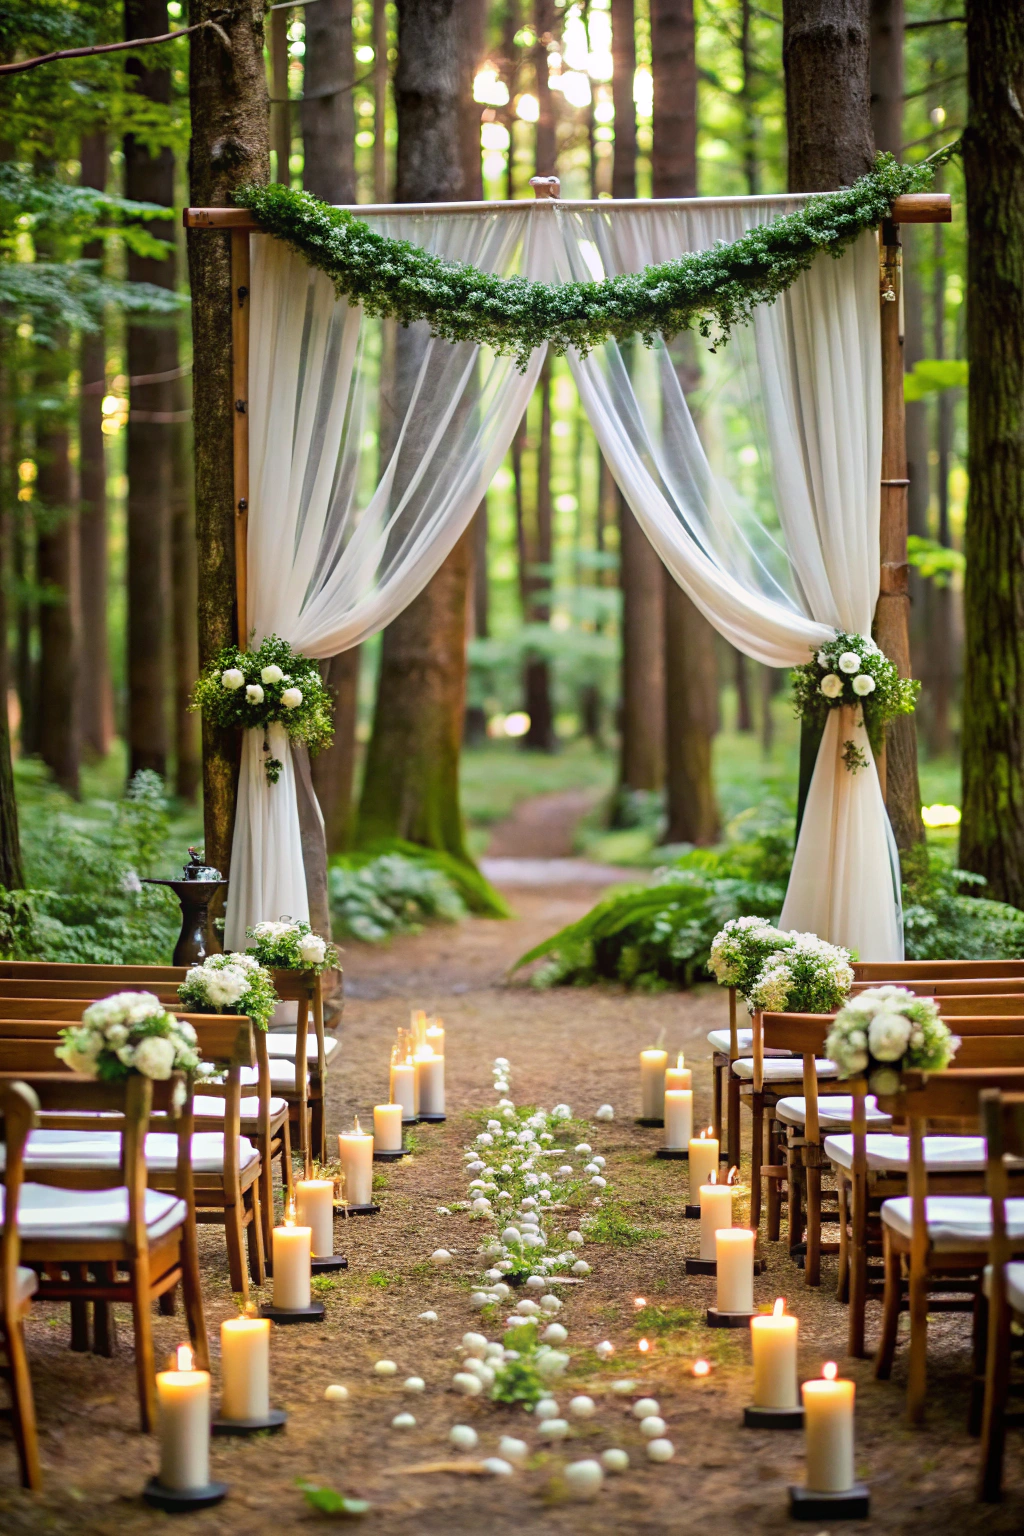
<point x="336" y="552"/>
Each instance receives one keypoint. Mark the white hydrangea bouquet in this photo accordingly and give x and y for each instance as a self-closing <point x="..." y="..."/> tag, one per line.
<point x="234" y="983"/>
<point x="269" y="685"/>
<point x="806" y="975"/>
<point x="885" y="1031"/>
<point x="851" y="670"/>
<point x="129" y="1032"/>
<point x="291" y="945"/>
<point x="740" y="949"/>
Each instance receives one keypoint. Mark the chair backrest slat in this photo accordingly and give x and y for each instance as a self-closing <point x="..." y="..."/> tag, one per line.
<point x="879" y="971"/>
<point x="222" y="1037"/>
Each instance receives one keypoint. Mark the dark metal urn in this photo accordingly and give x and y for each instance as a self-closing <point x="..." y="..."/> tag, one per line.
<point x="195" y="890"/>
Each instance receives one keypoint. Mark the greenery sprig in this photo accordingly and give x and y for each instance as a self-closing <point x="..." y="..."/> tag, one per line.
<point x="713" y="290"/>
<point x="851" y="669"/>
<point x="270" y="685"/>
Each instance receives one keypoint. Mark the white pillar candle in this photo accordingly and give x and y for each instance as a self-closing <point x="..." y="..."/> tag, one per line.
<point x="403" y="1087"/>
<point x="292" y="1250"/>
<point x="435" y="1036"/>
<point x="828" y="1430"/>
<point x="703" y="1161"/>
<point x="245" y="1368"/>
<point x="773" y="1341"/>
<point x="314" y="1208"/>
<point x="355" y="1151"/>
<point x="715" y="1213"/>
<point x="678" y="1117"/>
<point x="652" y="1083"/>
<point x="387" y="1127"/>
<point x="734" y="1253"/>
<point x="678" y="1076"/>
<point x="183" y="1406"/>
<point x="430" y="1081"/>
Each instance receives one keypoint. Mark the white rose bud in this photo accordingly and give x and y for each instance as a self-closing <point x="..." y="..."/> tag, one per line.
<point x="849" y="662"/>
<point x="831" y="686"/>
<point x="232" y="679"/>
<point x="254" y="693"/>
<point x="863" y="684"/>
<point x="822" y="659"/>
<point x="291" y="698"/>
<point x="271" y="674"/>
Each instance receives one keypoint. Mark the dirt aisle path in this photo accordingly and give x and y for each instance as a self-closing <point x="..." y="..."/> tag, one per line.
<point x="578" y="1046"/>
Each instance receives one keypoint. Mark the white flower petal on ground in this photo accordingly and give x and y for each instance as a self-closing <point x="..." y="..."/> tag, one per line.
<point x="583" y="1478"/>
<point x="547" y="1408"/>
<point x="554" y="1333"/>
<point x="440" y="1256"/>
<point x="413" y="1384"/>
<point x="644" y="1407"/>
<point x="403" y="1421"/>
<point x="606" y="1112"/>
<point x="464" y="1437"/>
<point x="428" y="1317"/>
<point x="653" y="1427"/>
<point x="513" y="1450"/>
<point x="553" y="1429"/>
<point x="604" y="1350"/>
<point x="336" y="1393"/>
<point x="660" y="1450"/>
<point x="614" y="1460"/>
<point x="468" y="1384"/>
<point x="624" y="1387"/>
<point x="582" y="1407"/>
<point x="385" y="1368"/>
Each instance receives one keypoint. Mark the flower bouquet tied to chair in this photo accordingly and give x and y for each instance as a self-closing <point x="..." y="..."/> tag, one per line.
<point x="129" y="1032"/>
<point x="886" y="1031"/>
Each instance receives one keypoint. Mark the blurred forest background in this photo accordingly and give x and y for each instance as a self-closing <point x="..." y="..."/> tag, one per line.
<point x="586" y="676"/>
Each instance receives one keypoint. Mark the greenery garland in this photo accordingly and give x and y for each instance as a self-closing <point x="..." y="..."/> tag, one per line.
<point x="714" y="290"/>
<point x="270" y="685"/>
<point x="852" y="670"/>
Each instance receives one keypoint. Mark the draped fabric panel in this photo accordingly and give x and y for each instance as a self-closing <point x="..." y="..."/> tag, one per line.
<point x="339" y="543"/>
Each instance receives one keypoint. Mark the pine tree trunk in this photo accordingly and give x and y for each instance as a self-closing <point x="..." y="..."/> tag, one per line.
<point x="152" y="366"/>
<point x="280" y="109"/>
<point x="95" y="690"/>
<point x="188" y="766"/>
<point x="411" y="781"/>
<point x="11" y="876"/>
<point x="546" y="154"/>
<point x="886" y="74"/>
<point x="380" y="101"/>
<point x="229" y="147"/>
<point x="941" y="597"/>
<point x="690" y="665"/>
<point x="992" y="832"/>
<point x="828" y="94"/>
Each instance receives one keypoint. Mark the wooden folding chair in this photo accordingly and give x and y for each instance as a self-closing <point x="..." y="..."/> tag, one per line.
<point x="935" y="1246"/>
<point x="81" y="1242"/>
<point x="18" y="1105"/>
<point x="1002" y="1124"/>
<point x="903" y="973"/>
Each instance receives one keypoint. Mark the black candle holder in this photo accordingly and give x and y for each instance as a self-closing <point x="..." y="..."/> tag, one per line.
<point x="651" y="1124"/>
<point x="314" y="1313"/>
<point x="390" y="1157"/>
<point x="673" y="1154"/>
<point x="716" y="1319"/>
<point x="358" y="1210"/>
<point x="806" y="1504"/>
<point x="432" y="1119"/>
<point x="274" y="1422"/>
<point x="182" y="1501"/>
<point x="692" y="1212"/>
<point x="710" y="1266"/>
<point x="773" y="1418"/>
<point x="327" y="1264"/>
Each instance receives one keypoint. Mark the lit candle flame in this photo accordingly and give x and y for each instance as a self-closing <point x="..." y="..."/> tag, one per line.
<point x="704" y="1134"/>
<point x="830" y="1370"/>
<point x="732" y="1174"/>
<point x="289" y="1213"/>
<point x="779" y="1307"/>
<point x="184" y="1358"/>
<point x="357" y="1129"/>
<point x="713" y="1176"/>
<point x="679" y="1063"/>
<point x="643" y="1346"/>
<point x="701" y="1368"/>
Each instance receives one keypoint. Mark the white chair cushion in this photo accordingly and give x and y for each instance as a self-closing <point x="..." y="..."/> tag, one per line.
<point x="282" y="1074"/>
<point x="956" y="1222"/>
<point x="102" y="1149"/>
<point x="26" y="1283"/>
<point x="782" y="1069"/>
<point x="284" y="1045"/>
<point x="834" y="1110"/>
<point x="942" y="1154"/>
<point x="718" y="1040"/>
<point x="47" y="1214"/>
<point x="1014" y="1276"/>
<point x="249" y="1108"/>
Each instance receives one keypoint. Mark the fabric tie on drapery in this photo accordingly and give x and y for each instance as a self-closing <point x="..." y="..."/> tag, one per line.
<point x="337" y="549"/>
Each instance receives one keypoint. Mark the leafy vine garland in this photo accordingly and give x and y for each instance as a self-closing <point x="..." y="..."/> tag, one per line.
<point x="714" y="290"/>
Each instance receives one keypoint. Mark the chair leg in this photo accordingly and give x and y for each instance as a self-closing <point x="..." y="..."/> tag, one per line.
<point x="254" y="1236"/>
<point x="22" y="1404"/>
<point x="145" y="1370"/>
<point x="775" y="1145"/>
<point x="756" y="1157"/>
<point x="167" y="1303"/>
<point x="917" y="1380"/>
<point x="793" y="1191"/>
<point x="716" y="1110"/>
<point x="192" y="1297"/>
<point x="287" y="1174"/>
<point x="886" y="1351"/>
<point x="236" y="1261"/>
<point x="733" y="1118"/>
<point x="104" y="1325"/>
<point x="80" y="1331"/>
<point x="979" y="1346"/>
<point x="997" y="1386"/>
<point x="843" y="1202"/>
<point x="318" y="1126"/>
<point x="812" y="1264"/>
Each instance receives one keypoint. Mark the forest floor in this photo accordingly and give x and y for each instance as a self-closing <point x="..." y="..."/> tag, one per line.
<point x="579" y="1046"/>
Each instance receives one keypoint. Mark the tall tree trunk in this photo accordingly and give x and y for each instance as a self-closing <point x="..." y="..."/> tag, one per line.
<point x="642" y="683"/>
<point x="828" y="96"/>
<point x="886" y="75"/>
<point x="380" y="101"/>
<point x="942" y="637"/>
<point x="95" y="691"/>
<point x="546" y="154"/>
<point x="690" y="667"/>
<point x="917" y="468"/>
<point x="992" y="832"/>
<point x="152" y="367"/>
<point x="280" y="109"/>
<point x="228" y="95"/>
<point x="411" y="783"/>
<point x="11" y="876"/>
<point x="188" y="768"/>
<point x="744" y="712"/>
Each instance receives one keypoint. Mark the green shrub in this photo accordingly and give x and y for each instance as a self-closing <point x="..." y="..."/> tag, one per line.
<point x="390" y="894"/>
<point x="941" y="921"/>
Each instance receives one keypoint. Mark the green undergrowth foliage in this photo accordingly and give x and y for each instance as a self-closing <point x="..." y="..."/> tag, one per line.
<point x="399" y="887"/>
<point x="611" y="1225"/>
<point x="656" y="936"/>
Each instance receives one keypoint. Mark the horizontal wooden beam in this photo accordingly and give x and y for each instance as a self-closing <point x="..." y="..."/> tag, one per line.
<point x="912" y="208"/>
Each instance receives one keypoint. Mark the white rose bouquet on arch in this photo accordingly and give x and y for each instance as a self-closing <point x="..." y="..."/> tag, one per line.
<point x="851" y="670"/>
<point x="886" y="1031"/>
<point x="233" y="983"/>
<point x="291" y="945"/>
<point x="806" y="976"/>
<point x="129" y="1032"/>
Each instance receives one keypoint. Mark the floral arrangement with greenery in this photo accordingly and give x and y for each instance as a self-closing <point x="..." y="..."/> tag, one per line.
<point x="290" y="945"/>
<point x="886" y="1031"/>
<point x="129" y="1032"/>
<point x="807" y="975"/>
<point x="740" y="949"/>
<point x="234" y="983"/>
<point x="713" y="290"/>
<point x="270" y="685"/>
<point x="852" y="670"/>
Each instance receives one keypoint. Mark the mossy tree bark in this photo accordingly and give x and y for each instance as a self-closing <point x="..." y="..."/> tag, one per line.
<point x="411" y="781"/>
<point x="992" y="832"/>
<point x="228" y="95"/>
<point x="11" y="876"/>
